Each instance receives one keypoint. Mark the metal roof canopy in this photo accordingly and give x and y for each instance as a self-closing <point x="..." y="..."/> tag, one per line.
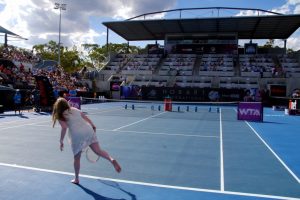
<point x="5" y="31"/>
<point x="246" y="27"/>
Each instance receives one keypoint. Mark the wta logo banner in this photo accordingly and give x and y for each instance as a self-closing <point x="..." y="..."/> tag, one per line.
<point x="74" y="102"/>
<point x="250" y="111"/>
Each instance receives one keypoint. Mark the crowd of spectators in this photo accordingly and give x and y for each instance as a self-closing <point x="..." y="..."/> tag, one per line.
<point x="15" y="75"/>
<point x="261" y="64"/>
<point x="19" y="55"/>
<point x="216" y="62"/>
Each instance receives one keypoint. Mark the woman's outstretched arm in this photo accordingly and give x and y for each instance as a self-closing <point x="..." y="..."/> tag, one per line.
<point x="63" y="131"/>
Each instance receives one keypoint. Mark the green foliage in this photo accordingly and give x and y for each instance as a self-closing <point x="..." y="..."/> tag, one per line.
<point x="290" y="51"/>
<point x="72" y="59"/>
<point x="269" y="43"/>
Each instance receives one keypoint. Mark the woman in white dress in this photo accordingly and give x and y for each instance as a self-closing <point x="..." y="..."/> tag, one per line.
<point x="82" y="133"/>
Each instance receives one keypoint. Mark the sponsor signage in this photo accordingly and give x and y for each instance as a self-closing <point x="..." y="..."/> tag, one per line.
<point x="250" y="48"/>
<point x="74" y="102"/>
<point x="192" y="94"/>
<point x="278" y="90"/>
<point x="250" y="111"/>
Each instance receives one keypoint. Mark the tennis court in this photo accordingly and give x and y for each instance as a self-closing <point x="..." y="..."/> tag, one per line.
<point x="194" y="152"/>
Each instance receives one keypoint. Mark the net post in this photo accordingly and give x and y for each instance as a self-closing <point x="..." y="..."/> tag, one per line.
<point x="168" y="103"/>
<point x="152" y="107"/>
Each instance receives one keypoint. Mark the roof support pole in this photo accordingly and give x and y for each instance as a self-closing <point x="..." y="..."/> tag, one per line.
<point x="107" y="34"/>
<point x="5" y="40"/>
<point x="127" y="49"/>
<point x="285" y="40"/>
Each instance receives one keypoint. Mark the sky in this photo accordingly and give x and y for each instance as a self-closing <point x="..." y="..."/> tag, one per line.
<point x="81" y="22"/>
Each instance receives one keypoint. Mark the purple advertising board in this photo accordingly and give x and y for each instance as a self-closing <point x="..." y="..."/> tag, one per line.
<point x="250" y="111"/>
<point x="74" y="102"/>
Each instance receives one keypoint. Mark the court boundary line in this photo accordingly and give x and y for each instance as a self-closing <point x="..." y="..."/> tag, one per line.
<point x="20" y="120"/>
<point x="274" y="153"/>
<point x="221" y="154"/>
<point x="10" y="127"/>
<point x="145" y="132"/>
<point x="161" y="133"/>
<point x="139" y="121"/>
<point x="151" y="184"/>
<point x="101" y="111"/>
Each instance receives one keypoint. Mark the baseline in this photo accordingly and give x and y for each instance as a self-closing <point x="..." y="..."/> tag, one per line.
<point x="151" y="184"/>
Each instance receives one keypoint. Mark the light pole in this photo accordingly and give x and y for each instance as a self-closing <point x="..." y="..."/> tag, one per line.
<point x="60" y="6"/>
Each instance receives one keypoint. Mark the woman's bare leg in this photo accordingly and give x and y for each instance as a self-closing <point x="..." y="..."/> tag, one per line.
<point x="96" y="148"/>
<point x="76" y="168"/>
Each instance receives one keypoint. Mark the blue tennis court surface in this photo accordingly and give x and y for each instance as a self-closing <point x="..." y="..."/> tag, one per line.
<point x="164" y="155"/>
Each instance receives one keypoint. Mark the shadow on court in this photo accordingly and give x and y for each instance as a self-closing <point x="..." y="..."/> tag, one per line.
<point x="270" y="122"/>
<point x="117" y="186"/>
<point x="95" y="195"/>
<point x="14" y="115"/>
<point x="112" y="184"/>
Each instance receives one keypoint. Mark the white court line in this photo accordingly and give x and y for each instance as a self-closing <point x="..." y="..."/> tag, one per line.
<point x="151" y="184"/>
<point x="267" y="115"/>
<point x="10" y="127"/>
<point x="167" y="134"/>
<point x="150" y="133"/>
<point x="221" y="154"/>
<point x="102" y="111"/>
<point x="20" y="125"/>
<point x="273" y="152"/>
<point x="138" y="121"/>
<point x="21" y="120"/>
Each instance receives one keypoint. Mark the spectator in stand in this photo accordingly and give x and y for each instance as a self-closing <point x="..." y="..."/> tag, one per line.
<point x="296" y="93"/>
<point x="17" y="102"/>
<point x="248" y="97"/>
<point x="36" y="99"/>
<point x="56" y="92"/>
<point x="72" y="92"/>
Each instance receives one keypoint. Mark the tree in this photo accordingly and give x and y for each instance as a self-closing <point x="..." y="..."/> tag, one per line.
<point x="290" y="51"/>
<point x="99" y="56"/>
<point x="269" y="43"/>
<point x="46" y="51"/>
<point x="96" y="56"/>
<point x="70" y="60"/>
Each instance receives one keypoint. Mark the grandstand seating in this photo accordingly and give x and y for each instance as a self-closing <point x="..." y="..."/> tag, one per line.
<point x="254" y="65"/>
<point x="238" y="82"/>
<point x="216" y="65"/>
<point x="178" y="64"/>
<point x="206" y="70"/>
<point x="290" y="65"/>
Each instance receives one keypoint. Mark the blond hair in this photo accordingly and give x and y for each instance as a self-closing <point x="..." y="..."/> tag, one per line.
<point x="59" y="107"/>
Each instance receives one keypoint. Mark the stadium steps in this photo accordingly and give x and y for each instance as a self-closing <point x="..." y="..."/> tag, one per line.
<point x="171" y="82"/>
<point x="237" y="69"/>
<point x="197" y="64"/>
<point x="160" y="63"/>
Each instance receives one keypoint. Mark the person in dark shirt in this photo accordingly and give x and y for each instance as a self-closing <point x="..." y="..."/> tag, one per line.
<point x="17" y="102"/>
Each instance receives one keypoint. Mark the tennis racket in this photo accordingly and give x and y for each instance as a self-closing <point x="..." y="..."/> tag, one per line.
<point x="91" y="156"/>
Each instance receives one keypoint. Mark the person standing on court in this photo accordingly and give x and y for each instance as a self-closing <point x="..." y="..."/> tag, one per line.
<point x="18" y="101"/>
<point x="82" y="133"/>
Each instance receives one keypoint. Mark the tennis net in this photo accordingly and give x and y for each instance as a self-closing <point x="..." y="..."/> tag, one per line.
<point x="171" y="109"/>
